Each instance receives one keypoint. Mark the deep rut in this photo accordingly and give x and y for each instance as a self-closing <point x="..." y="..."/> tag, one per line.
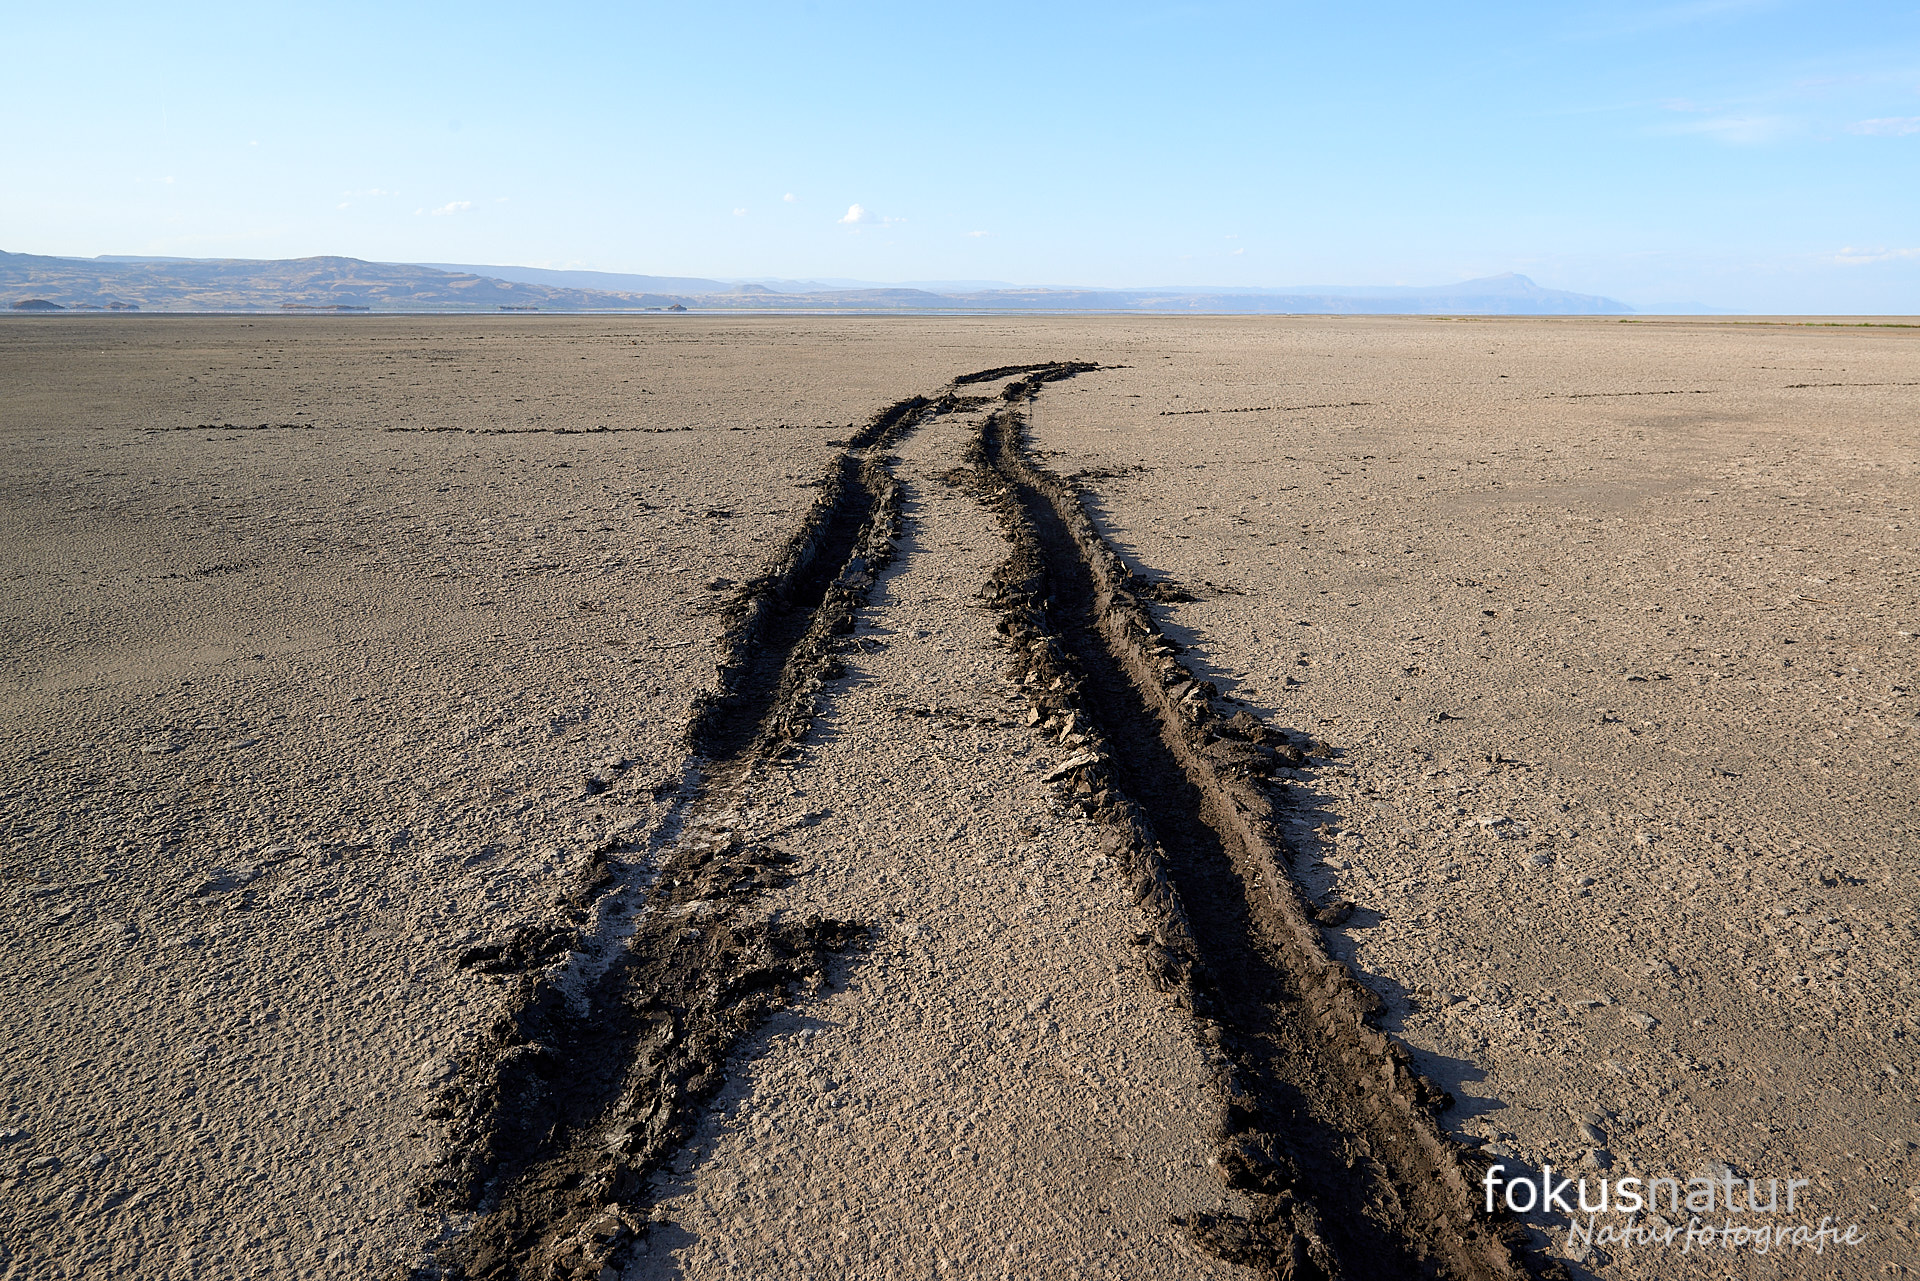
<point x="607" y="1057"/>
<point x="1328" y="1127"/>
<point x="601" y="1066"/>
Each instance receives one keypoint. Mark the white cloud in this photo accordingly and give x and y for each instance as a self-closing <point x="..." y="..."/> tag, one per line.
<point x="790" y="198"/>
<point x="975" y="235"/>
<point x="452" y="207"/>
<point x="1236" y="253"/>
<point x="740" y="213"/>
<point x="1852" y="257"/>
<point x="1892" y="126"/>
<point x="859" y="218"/>
<point x="344" y="204"/>
<point x="368" y="191"/>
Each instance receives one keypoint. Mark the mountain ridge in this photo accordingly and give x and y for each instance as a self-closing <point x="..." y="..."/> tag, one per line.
<point x="338" y="282"/>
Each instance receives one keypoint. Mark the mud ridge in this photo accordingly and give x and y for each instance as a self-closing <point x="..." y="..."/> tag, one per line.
<point x="592" y="1080"/>
<point x="996" y="373"/>
<point x="1328" y="1129"/>
<point x="793" y="610"/>
<point x="602" y="1064"/>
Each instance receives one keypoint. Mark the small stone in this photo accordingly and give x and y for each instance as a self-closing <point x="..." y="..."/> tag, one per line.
<point x="434" y="1072"/>
<point x="1334" y="914"/>
<point x="1645" y="1022"/>
<point x="1597" y="1159"/>
<point x="718" y="584"/>
<point x="1591" y="1132"/>
<point x="1069" y="765"/>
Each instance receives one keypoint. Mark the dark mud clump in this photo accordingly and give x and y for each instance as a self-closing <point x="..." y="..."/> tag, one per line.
<point x="591" y="1087"/>
<point x="995" y="374"/>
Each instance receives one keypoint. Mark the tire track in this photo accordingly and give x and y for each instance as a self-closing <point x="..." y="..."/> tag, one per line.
<point x="605" y="1059"/>
<point x="1328" y="1127"/>
<point x="782" y="625"/>
<point x="618" y="1034"/>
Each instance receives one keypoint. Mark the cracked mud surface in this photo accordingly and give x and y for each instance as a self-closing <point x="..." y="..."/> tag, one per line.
<point x="387" y="837"/>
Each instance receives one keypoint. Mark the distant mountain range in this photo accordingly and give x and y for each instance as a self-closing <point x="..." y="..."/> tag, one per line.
<point x="618" y="282"/>
<point x="121" y="282"/>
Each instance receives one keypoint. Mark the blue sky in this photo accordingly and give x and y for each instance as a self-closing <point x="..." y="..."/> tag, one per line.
<point x="1753" y="155"/>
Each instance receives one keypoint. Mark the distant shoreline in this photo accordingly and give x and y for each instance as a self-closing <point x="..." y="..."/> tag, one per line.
<point x="1806" y="319"/>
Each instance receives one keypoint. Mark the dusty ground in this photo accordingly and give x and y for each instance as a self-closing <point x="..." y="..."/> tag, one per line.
<point x="1616" y="627"/>
<point x="1618" y="649"/>
<point x="302" y="705"/>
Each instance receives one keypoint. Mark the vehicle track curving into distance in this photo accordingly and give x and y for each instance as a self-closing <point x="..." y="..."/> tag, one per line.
<point x="619" y="1030"/>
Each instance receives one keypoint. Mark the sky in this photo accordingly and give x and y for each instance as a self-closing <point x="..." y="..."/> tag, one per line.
<point x="1755" y="155"/>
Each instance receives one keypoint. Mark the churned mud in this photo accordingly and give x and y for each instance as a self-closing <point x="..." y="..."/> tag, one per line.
<point x="590" y="1085"/>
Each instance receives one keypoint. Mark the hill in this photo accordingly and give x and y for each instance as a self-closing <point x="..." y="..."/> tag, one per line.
<point x="598" y="281"/>
<point x="334" y="283"/>
<point x="241" y="284"/>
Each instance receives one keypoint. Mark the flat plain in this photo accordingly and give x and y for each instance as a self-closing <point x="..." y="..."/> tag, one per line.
<point x="351" y="662"/>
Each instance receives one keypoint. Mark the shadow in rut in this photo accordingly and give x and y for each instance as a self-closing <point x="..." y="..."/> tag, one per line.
<point x="1254" y="997"/>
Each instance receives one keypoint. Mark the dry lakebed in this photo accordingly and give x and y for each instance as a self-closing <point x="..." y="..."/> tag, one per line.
<point x="613" y="797"/>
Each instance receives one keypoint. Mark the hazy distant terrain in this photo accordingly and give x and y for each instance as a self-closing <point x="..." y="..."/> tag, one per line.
<point x="192" y="284"/>
<point x="238" y="284"/>
<point x="598" y="281"/>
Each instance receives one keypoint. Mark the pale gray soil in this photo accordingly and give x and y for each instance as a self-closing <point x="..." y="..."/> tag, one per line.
<point x="291" y="716"/>
<point x="1615" y="626"/>
<point x="1619" y="650"/>
<point x="295" y="715"/>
